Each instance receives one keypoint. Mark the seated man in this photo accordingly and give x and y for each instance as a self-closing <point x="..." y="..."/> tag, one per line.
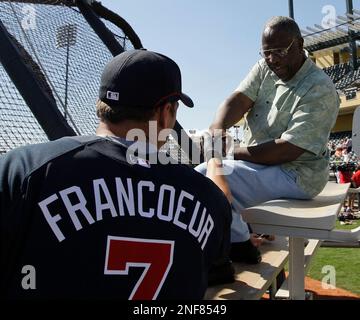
<point x="93" y="218"/>
<point x="290" y="106"/>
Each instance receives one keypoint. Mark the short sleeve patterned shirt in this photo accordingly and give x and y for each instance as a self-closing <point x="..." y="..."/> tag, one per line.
<point x="301" y="111"/>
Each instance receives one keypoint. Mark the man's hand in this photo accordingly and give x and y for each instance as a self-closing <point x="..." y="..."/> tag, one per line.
<point x="212" y="145"/>
<point x="213" y="154"/>
<point x="219" y="141"/>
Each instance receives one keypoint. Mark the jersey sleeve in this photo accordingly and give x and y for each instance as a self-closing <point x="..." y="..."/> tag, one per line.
<point x="10" y="181"/>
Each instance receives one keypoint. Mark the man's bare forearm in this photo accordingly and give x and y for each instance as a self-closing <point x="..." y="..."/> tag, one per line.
<point x="231" y="111"/>
<point x="216" y="174"/>
<point x="271" y="153"/>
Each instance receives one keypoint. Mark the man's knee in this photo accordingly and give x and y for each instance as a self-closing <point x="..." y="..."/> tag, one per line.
<point x="201" y="168"/>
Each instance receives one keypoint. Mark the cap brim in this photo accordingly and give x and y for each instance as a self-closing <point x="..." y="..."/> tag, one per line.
<point x="186" y="100"/>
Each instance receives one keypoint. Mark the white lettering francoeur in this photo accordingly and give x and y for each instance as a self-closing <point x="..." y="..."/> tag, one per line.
<point x="78" y="207"/>
<point x="128" y="197"/>
<point x="149" y="185"/>
<point x="180" y="209"/>
<point x="108" y="205"/>
<point x="160" y="208"/>
<point x="52" y="220"/>
<point x="177" y="207"/>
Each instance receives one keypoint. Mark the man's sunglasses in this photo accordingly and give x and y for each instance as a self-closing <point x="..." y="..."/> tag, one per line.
<point x="281" y="52"/>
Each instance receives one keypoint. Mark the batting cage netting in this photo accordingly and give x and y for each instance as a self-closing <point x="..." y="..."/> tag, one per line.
<point x="60" y="47"/>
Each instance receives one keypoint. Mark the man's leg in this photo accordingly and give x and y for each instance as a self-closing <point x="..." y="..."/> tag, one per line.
<point x="252" y="184"/>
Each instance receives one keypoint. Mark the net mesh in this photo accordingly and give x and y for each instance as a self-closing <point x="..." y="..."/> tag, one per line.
<point x="67" y="54"/>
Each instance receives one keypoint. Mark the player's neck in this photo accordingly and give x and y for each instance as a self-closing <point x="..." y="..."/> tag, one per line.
<point x="118" y="130"/>
<point x="122" y="130"/>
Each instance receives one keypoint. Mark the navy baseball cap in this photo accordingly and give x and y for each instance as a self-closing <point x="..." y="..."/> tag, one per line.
<point x="141" y="78"/>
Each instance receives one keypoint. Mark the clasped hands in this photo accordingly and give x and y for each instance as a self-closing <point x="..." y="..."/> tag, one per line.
<point x="216" y="144"/>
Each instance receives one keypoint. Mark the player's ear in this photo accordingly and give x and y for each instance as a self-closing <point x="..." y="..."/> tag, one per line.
<point x="166" y="115"/>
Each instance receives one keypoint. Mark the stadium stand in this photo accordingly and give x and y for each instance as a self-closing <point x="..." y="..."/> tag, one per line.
<point x="348" y="80"/>
<point x="342" y="162"/>
<point x="350" y="93"/>
<point x="337" y="72"/>
<point x="342" y="75"/>
<point x="338" y="138"/>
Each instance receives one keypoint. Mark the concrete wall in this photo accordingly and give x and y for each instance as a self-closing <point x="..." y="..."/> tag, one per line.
<point x="343" y="123"/>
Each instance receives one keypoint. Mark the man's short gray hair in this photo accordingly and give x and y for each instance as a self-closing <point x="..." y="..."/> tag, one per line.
<point x="286" y="24"/>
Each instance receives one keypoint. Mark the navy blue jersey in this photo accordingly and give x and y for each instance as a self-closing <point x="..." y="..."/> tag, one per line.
<point x="93" y="225"/>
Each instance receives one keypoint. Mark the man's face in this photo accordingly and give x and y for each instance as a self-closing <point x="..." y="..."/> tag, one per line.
<point x="287" y="59"/>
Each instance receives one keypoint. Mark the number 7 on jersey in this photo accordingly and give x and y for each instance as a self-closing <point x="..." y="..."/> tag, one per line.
<point x="155" y="256"/>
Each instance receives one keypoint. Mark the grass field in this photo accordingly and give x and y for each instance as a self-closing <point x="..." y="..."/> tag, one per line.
<point x="346" y="263"/>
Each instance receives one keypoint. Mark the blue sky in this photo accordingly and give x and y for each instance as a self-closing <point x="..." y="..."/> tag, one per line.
<point x="214" y="42"/>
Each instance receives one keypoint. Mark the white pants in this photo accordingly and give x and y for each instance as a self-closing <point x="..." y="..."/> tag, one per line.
<point x="252" y="184"/>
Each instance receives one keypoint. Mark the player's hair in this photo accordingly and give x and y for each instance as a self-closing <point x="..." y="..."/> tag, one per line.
<point x="286" y="24"/>
<point x="116" y="115"/>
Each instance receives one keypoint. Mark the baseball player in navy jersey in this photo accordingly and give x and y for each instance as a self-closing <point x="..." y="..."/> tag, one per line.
<point x="91" y="220"/>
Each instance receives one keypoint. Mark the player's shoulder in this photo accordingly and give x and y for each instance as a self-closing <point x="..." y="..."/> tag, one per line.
<point x="28" y="158"/>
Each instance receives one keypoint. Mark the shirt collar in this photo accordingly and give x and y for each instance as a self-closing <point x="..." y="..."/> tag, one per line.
<point x="294" y="81"/>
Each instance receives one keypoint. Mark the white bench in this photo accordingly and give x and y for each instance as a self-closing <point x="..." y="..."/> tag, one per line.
<point x="298" y="220"/>
<point x="309" y="252"/>
<point x="252" y="281"/>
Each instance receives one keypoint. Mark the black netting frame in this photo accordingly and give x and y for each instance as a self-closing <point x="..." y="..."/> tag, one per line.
<point x="71" y="65"/>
